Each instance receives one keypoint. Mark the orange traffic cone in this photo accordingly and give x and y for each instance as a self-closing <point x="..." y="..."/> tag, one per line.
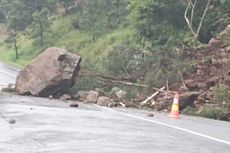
<point x="175" y="107"/>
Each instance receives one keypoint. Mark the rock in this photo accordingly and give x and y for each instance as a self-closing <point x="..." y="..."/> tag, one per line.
<point x="223" y="54"/>
<point x="92" y="97"/>
<point x="201" y="85"/>
<point x="212" y="81"/>
<point x="214" y="42"/>
<point x="65" y="97"/>
<point x="100" y="91"/>
<point x="130" y="104"/>
<point x="74" y="105"/>
<point x="190" y="84"/>
<point x="115" y="89"/>
<point x="121" y="94"/>
<point x="150" y="115"/>
<point x="52" y="73"/>
<point x="12" y="121"/>
<point x="225" y="34"/>
<point x="227" y="80"/>
<point x="227" y="48"/>
<point x="50" y="97"/>
<point x="9" y="88"/>
<point x="111" y="105"/>
<point x="83" y="95"/>
<point x="185" y="99"/>
<point x="105" y="101"/>
<point x="213" y="70"/>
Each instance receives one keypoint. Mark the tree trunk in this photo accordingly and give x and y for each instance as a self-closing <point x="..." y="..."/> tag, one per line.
<point x="41" y="33"/>
<point x="15" y="47"/>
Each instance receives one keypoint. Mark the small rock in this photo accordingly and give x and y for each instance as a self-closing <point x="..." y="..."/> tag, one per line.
<point x="12" y="121"/>
<point x="110" y="105"/>
<point x="82" y="95"/>
<point x="190" y="83"/>
<point x="105" y="101"/>
<point x="121" y="94"/>
<point x="201" y="85"/>
<point x="74" y="105"/>
<point x="214" y="42"/>
<point x="50" y="97"/>
<point x="92" y="97"/>
<point x="115" y="89"/>
<point x="150" y="115"/>
<point x="130" y="105"/>
<point x="8" y="89"/>
<point x="65" y="97"/>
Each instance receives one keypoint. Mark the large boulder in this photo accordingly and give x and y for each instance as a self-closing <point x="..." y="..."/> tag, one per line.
<point x="52" y="73"/>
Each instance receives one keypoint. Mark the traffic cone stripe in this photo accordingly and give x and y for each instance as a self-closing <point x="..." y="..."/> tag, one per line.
<point x="175" y="108"/>
<point x="175" y="101"/>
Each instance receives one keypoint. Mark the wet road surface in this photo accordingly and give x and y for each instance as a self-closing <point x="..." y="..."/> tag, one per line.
<point x="7" y="74"/>
<point x="51" y="126"/>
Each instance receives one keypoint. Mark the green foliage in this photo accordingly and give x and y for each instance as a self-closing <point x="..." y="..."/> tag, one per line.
<point x="86" y="83"/>
<point x="100" y="16"/>
<point x="222" y="96"/>
<point x="124" y="60"/>
<point x="213" y="112"/>
<point x="40" y="27"/>
<point x="158" y="20"/>
<point x="216" y="20"/>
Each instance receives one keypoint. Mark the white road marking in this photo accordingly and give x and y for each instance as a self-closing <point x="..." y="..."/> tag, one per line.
<point x="170" y="126"/>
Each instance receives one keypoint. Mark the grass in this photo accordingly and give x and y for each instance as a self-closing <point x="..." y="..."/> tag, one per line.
<point x="64" y="35"/>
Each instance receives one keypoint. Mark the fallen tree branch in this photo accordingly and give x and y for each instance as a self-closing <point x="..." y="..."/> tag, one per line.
<point x="152" y="96"/>
<point x="122" y="104"/>
<point x="124" y="81"/>
<point x="141" y="85"/>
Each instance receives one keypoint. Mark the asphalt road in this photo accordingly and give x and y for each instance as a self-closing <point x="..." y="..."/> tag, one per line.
<point x="51" y="126"/>
<point x="7" y="74"/>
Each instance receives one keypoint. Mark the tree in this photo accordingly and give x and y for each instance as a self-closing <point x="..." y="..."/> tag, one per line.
<point x="67" y="4"/>
<point x="15" y="22"/>
<point x="40" y="11"/>
<point x="40" y="25"/>
<point x="116" y="12"/>
<point x="93" y="18"/>
<point x="4" y="11"/>
<point x="189" y="17"/>
<point x="158" y="21"/>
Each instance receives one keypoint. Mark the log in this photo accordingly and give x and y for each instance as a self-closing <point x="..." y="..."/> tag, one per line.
<point x="152" y="96"/>
<point x="122" y="104"/>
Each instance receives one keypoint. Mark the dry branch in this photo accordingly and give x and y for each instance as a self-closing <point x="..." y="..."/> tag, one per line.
<point x="191" y="5"/>
<point x="152" y="96"/>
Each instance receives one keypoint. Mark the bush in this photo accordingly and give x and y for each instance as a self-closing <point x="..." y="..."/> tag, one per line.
<point x="220" y="110"/>
<point x="213" y="112"/>
<point x="222" y="95"/>
<point x="220" y="113"/>
<point x="124" y="61"/>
